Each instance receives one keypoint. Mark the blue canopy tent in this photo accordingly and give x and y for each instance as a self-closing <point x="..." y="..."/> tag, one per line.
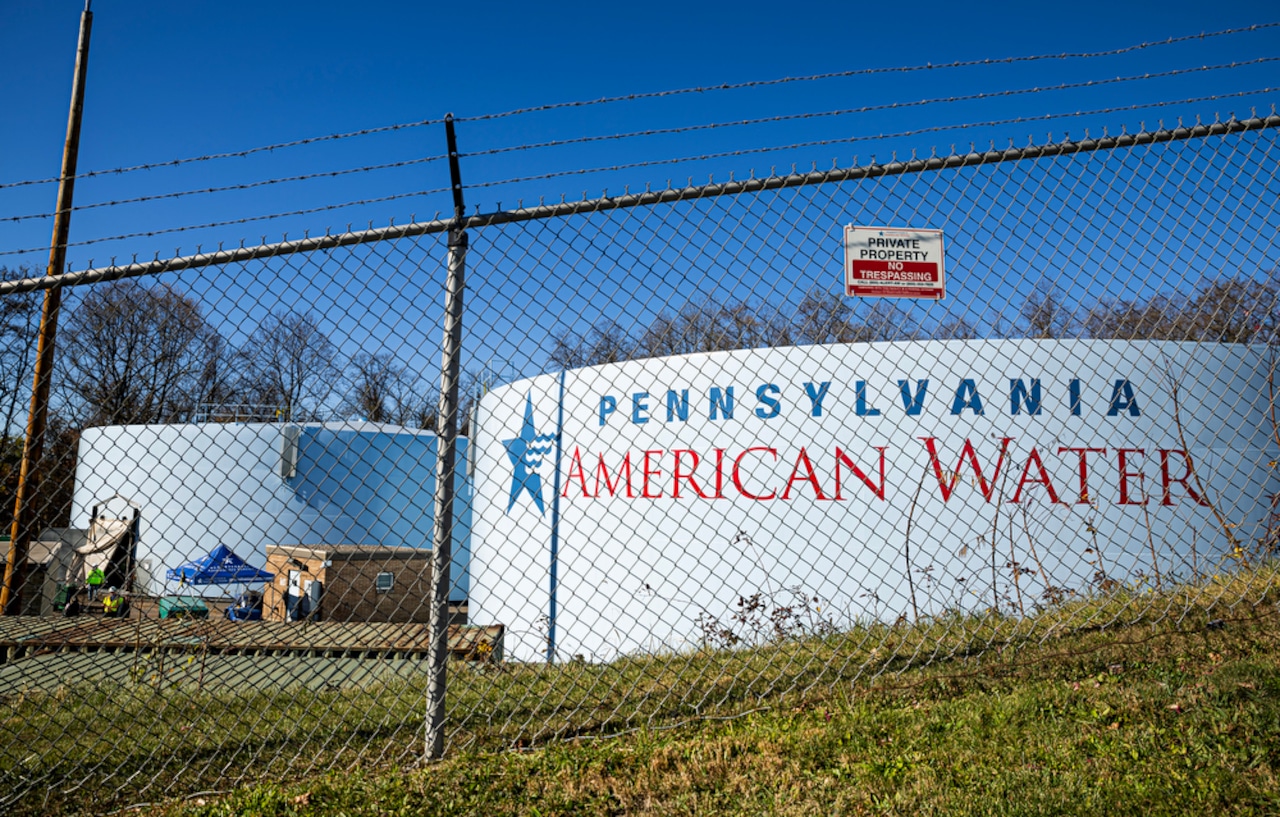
<point x="222" y="566"/>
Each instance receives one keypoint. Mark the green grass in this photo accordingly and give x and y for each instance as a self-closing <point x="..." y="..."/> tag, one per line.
<point x="1126" y="704"/>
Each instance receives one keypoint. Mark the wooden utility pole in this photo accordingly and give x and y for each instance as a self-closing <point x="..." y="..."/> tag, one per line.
<point x="37" y="420"/>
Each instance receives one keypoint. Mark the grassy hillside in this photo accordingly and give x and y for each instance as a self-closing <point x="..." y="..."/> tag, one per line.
<point x="1150" y="723"/>
<point x="1146" y="703"/>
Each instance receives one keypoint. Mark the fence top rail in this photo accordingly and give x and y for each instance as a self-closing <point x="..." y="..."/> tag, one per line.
<point x="649" y="197"/>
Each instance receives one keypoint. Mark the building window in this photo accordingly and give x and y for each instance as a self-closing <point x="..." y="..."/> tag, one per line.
<point x="385" y="581"/>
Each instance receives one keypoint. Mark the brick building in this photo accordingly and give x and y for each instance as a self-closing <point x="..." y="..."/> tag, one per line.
<point x="348" y="583"/>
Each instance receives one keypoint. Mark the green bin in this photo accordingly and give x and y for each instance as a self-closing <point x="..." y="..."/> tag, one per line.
<point x="63" y="596"/>
<point x="183" y="607"/>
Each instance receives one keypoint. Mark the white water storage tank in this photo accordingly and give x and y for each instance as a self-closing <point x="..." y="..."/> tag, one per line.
<point x="249" y="485"/>
<point x="688" y="483"/>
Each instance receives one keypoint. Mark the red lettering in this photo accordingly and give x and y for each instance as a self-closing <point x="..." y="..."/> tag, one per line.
<point x="576" y="470"/>
<point x="737" y="477"/>
<point x="678" y="475"/>
<point x="1034" y="456"/>
<point x="719" y="473"/>
<point x="812" y="478"/>
<point x="946" y="487"/>
<point x="647" y="472"/>
<point x="1083" y="453"/>
<point x="1166" y="482"/>
<point x="841" y="457"/>
<point x="603" y="471"/>
<point x="1125" y="474"/>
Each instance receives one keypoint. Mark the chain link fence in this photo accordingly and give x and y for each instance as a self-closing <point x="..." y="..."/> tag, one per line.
<point x="691" y="471"/>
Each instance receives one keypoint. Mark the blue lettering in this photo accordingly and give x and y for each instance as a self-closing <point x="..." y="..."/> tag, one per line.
<point x="1123" y="399"/>
<point x="765" y="395"/>
<point x="640" y="407"/>
<point x="1018" y="395"/>
<point x="967" y="398"/>
<point x="722" y="403"/>
<point x="1075" y="397"/>
<point x="913" y="405"/>
<point x="816" y="396"/>
<point x="860" y="397"/>
<point x="677" y="405"/>
<point x="608" y="405"/>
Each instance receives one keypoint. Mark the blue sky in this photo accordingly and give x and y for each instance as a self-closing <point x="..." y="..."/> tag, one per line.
<point x="170" y="80"/>
<point x="175" y="80"/>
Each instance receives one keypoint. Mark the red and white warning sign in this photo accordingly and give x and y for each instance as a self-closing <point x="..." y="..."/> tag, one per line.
<point x="892" y="262"/>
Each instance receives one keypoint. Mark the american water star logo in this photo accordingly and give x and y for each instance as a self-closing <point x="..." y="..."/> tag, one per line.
<point x="527" y="453"/>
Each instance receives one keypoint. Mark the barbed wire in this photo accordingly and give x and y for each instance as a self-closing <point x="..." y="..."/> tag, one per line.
<point x="660" y="162"/>
<point x="680" y="130"/>
<point x="849" y="139"/>
<point x="1066" y="86"/>
<point x="657" y="94"/>
<point x="332" y="137"/>
<point x="245" y="186"/>
<point x="871" y="71"/>
<point x="245" y="220"/>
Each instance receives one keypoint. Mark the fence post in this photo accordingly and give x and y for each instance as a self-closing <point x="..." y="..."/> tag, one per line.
<point x="446" y="460"/>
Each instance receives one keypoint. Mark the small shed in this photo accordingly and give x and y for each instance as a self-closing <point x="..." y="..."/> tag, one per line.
<point x="348" y="583"/>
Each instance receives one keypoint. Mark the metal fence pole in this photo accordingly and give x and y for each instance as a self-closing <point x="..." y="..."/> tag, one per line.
<point x="447" y="433"/>
<point x="33" y="446"/>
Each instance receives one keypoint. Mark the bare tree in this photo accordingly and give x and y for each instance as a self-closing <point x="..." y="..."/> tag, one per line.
<point x="132" y="354"/>
<point x="673" y="334"/>
<point x="289" y="366"/>
<point x="955" y="329"/>
<point x="701" y="326"/>
<point x="606" y="342"/>
<point x="826" y="317"/>
<point x="217" y="390"/>
<point x="692" y="329"/>
<point x="384" y="392"/>
<point x="55" y="474"/>
<point x="753" y="326"/>
<point x="51" y="480"/>
<point x="884" y="320"/>
<point x="1228" y="310"/>
<point x="19" y="324"/>
<point x="1163" y="317"/>
<point x="705" y="326"/>
<point x="1046" y="313"/>
<point x="374" y="379"/>
<point x="1238" y="310"/>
